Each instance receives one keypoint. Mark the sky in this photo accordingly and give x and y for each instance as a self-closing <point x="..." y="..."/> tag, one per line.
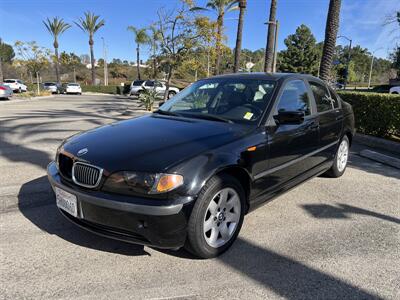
<point x="360" y="20"/>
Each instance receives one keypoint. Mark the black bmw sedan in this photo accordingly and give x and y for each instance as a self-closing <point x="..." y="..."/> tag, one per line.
<point x="188" y="173"/>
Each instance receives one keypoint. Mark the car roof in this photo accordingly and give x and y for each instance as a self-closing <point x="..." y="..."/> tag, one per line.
<point x="265" y="76"/>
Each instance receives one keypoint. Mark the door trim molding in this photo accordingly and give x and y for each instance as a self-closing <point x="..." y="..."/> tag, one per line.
<point x="289" y="163"/>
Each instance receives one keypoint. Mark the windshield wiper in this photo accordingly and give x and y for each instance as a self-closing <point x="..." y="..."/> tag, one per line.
<point x="210" y="117"/>
<point x="166" y="112"/>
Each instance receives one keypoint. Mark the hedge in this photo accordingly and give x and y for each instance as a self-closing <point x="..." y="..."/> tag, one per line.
<point x="375" y="114"/>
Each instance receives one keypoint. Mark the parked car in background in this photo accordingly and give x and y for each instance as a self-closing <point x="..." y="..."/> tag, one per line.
<point x="395" y="90"/>
<point x="53" y="87"/>
<point x="138" y="86"/>
<point x="73" y="88"/>
<point x="16" y="85"/>
<point x="5" y="91"/>
<point x="188" y="173"/>
<point x="382" y="88"/>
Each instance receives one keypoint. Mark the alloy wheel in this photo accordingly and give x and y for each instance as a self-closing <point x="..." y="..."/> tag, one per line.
<point x="343" y="154"/>
<point x="222" y="217"/>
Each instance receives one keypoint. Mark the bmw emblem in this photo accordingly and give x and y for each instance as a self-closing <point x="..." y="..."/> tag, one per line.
<point x="83" y="151"/>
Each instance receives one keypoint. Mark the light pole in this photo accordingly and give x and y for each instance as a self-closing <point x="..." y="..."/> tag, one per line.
<point x="105" y="62"/>
<point x="275" y="47"/>
<point x="348" y="58"/>
<point x="370" y="69"/>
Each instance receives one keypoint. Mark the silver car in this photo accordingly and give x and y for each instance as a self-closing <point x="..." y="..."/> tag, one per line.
<point x="5" y="91"/>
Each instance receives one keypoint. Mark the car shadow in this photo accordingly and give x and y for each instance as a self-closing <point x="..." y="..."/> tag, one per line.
<point x="343" y="211"/>
<point x="287" y="277"/>
<point x="37" y="203"/>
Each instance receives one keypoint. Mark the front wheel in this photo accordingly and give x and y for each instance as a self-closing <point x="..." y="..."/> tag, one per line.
<point x="217" y="217"/>
<point x="340" y="160"/>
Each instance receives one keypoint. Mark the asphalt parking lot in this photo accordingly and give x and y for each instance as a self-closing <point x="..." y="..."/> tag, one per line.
<point x="327" y="239"/>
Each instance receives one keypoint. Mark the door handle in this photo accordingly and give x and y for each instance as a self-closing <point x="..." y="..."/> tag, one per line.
<point x="313" y="125"/>
<point x="339" y="118"/>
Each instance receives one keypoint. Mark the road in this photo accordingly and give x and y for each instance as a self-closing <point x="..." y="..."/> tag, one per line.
<point x="329" y="238"/>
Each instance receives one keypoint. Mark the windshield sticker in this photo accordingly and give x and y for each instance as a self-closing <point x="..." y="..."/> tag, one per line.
<point x="248" y="116"/>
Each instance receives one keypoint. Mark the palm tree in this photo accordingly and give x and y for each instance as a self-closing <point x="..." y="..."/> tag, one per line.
<point x="56" y="27"/>
<point x="269" y="51"/>
<point x="221" y="7"/>
<point x="331" y="30"/>
<point x="155" y="38"/>
<point x="141" y="38"/>
<point x="242" y="7"/>
<point x="90" y="24"/>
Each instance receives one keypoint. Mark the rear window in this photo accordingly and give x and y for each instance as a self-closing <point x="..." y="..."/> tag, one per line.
<point x="73" y="84"/>
<point x="137" y="82"/>
<point x="9" y="81"/>
<point x="49" y="84"/>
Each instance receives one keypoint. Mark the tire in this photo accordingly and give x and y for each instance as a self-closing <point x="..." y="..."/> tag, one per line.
<point x="341" y="158"/>
<point x="19" y="91"/>
<point x="211" y="243"/>
<point x="171" y="94"/>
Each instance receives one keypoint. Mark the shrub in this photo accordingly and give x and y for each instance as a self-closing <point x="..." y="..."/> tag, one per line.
<point x="109" y="89"/>
<point x="375" y="114"/>
<point x="148" y="97"/>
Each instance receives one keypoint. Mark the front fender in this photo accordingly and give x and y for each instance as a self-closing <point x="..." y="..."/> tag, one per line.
<point x="201" y="168"/>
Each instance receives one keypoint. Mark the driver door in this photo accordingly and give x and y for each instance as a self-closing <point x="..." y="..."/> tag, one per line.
<point x="290" y="146"/>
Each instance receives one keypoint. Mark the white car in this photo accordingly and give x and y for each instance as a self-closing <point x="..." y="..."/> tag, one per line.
<point x="53" y="87"/>
<point x="73" y="88"/>
<point x="5" y="91"/>
<point x="395" y="90"/>
<point x="138" y="86"/>
<point x="16" y="85"/>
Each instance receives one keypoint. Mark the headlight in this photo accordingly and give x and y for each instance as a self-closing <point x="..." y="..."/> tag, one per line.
<point x="142" y="183"/>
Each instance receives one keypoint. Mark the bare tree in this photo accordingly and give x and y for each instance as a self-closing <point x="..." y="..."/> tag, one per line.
<point x="331" y="31"/>
<point x="269" y="50"/>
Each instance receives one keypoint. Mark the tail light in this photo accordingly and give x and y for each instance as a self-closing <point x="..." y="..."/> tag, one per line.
<point x="2" y="88"/>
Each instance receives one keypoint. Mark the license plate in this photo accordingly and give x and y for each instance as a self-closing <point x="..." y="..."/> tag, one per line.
<point x="66" y="201"/>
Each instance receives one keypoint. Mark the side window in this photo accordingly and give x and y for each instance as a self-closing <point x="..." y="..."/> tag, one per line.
<point x="158" y="84"/>
<point x="149" y="83"/>
<point x="335" y="98"/>
<point x="322" y="98"/>
<point x="294" y="98"/>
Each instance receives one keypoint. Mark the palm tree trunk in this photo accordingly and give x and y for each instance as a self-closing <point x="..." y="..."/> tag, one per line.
<point x="168" y="83"/>
<point x="238" y="47"/>
<point x="57" y="65"/>
<point x="138" y="61"/>
<point x="92" y="61"/>
<point x="269" y="51"/>
<point x="220" y="25"/>
<point x="331" y="30"/>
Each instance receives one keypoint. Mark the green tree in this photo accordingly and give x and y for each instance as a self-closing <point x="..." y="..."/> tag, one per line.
<point x="90" y="24"/>
<point x="395" y="58"/>
<point x="6" y="52"/>
<point x="56" y="27"/>
<point x="33" y="57"/>
<point x="269" y="51"/>
<point x="301" y="54"/>
<point x="331" y="31"/>
<point x="69" y="60"/>
<point x="141" y="38"/>
<point x="221" y="7"/>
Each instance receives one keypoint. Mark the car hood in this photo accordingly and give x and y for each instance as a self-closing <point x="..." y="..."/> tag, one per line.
<point x="151" y="143"/>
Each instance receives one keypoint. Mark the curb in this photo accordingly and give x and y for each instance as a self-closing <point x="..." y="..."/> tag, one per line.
<point x="382" y="158"/>
<point x="18" y="100"/>
<point x="379" y="143"/>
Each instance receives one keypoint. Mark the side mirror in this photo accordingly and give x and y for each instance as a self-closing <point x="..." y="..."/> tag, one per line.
<point x="289" y="117"/>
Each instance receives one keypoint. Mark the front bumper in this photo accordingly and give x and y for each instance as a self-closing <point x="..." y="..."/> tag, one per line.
<point x="161" y="224"/>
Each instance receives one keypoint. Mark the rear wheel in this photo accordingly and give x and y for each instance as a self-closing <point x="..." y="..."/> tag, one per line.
<point x="341" y="158"/>
<point x="217" y="217"/>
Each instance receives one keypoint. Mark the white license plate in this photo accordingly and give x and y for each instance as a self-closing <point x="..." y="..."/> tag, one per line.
<point x="66" y="201"/>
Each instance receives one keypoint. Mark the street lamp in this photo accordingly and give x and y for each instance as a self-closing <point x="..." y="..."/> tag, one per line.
<point x="348" y="58"/>
<point x="370" y="69"/>
<point x="105" y="62"/>
<point x="276" y="24"/>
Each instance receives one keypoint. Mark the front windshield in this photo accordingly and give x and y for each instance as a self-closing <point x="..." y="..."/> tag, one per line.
<point x="235" y="100"/>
